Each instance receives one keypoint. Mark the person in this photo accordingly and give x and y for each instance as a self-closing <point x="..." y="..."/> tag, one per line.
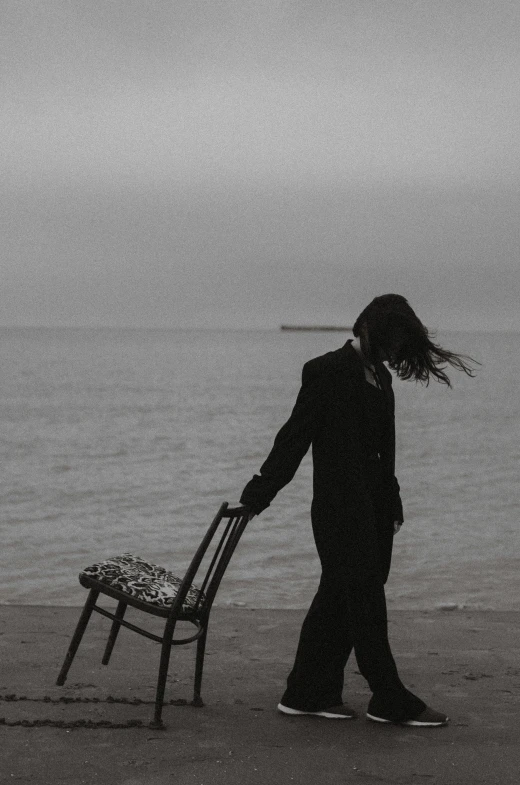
<point x="345" y="410"/>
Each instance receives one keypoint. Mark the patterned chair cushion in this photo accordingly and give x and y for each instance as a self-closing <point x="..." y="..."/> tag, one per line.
<point x="143" y="581"/>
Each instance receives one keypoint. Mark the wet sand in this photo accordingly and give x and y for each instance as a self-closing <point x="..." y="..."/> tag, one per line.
<point x="463" y="662"/>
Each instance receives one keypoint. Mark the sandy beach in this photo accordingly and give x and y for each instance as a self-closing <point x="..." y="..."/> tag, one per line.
<point x="95" y="728"/>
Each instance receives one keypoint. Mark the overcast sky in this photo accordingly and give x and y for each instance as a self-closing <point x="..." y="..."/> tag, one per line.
<point x="251" y="162"/>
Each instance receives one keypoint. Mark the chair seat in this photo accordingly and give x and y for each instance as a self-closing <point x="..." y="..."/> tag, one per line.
<point x="143" y="581"/>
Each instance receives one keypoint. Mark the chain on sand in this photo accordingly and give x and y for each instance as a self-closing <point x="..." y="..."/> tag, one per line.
<point x="90" y="724"/>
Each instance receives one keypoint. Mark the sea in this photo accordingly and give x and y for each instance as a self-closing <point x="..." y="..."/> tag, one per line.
<point x="128" y="440"/>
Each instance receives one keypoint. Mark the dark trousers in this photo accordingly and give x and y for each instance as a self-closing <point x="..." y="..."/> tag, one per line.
<point x="349" y="612"/>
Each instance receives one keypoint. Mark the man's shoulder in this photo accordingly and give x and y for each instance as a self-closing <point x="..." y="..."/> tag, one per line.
<point x="342" y="360"/>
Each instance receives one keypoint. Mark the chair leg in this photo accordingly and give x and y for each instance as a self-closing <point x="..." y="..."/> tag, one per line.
<point x="78" y="634"/>
<point x="199" y="665"/>
<point x="114" y="630"/>
<point x="166" y="647"/>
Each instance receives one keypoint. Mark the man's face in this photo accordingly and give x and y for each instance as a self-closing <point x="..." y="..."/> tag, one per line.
<point x="395" y="352"/>
<point x="386" y="356"/>
<point x="395" y="348"/>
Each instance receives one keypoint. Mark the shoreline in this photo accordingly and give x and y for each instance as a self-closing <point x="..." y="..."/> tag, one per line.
<point x="444" y="607"/>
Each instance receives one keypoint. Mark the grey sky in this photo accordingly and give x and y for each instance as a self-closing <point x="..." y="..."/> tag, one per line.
<point x="249" y="163"/>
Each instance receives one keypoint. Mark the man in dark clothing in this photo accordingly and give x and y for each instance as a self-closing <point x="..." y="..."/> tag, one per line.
<point x="345" y="410"/>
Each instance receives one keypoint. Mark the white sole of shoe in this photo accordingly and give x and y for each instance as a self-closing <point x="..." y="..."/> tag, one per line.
<point x="409" y="722"/>
<point x="327" y="714"/>
<point x="426" y="724"/>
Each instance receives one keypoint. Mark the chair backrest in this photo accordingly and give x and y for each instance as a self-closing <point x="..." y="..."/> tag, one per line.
<point x="218" y="546"/>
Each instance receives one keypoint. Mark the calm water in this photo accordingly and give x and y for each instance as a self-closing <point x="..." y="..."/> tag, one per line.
<point x="128" y="440"/>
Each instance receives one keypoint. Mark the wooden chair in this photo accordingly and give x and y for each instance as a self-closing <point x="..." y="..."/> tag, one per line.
<point x="132" y="581"/>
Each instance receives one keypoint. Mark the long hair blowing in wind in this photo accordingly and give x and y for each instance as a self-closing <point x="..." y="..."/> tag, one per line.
<point x="392" y="326"/>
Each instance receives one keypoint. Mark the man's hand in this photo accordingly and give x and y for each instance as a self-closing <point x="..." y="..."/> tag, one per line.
<point x="397" y="526"/>
<point x="251" y="513"/>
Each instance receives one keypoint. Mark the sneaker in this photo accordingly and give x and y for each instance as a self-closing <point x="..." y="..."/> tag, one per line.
<point x="341" y="712"/>
<point x="428" y="718"/>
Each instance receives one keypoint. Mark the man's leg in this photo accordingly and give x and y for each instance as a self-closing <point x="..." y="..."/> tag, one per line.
<point x="316" y="679"/>
<point x="369" y="632"/>
<point x="349" y="610"/>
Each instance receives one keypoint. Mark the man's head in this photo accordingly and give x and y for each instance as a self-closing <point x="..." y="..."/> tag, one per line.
<point x="390" y="331"/>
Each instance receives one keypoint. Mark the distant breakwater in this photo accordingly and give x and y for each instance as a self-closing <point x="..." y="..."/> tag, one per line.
<point x="310" y="327"/>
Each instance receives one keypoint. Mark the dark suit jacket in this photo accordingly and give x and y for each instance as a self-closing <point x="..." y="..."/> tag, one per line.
<point x="330" y="414"/>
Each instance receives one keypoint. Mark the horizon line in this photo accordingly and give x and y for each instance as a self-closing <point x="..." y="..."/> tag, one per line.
<point x="222" y="328"/>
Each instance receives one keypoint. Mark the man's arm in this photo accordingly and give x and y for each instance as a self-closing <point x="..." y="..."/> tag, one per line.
<point x="290" y="445"/>
<point x="397" y="503"/>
